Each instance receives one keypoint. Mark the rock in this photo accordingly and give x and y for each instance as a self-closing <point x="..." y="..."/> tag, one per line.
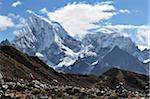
<point x="69" y="91"/>
<point x="31" y="97"/>
<point x="54" y="82"/>
<point x="83" y="95"/>
<point x="76" y="90"/>
<point x="121" y="90"/>
<point x="146" y="89"/>
<point x="4" y="87"/>
<point x="11" y="85"/>
<point x="20" y="87"/>
<point x="60" y="93"/>
<point x="1" y="79"/>
<point x="53" y="91"/>
<point x="1" y="93"/>
<point x="40" y="96"/>
<point x="36" y="84"/>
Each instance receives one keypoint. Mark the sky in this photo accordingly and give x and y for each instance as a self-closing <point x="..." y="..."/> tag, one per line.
<point x="80" y="17"/>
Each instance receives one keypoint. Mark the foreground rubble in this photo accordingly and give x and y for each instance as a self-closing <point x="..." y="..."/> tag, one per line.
<point x="39" y="90"/>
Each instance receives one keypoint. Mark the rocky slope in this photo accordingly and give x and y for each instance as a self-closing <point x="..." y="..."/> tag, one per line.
<point x="15" y="65"/>
<point x="29" y="77"/>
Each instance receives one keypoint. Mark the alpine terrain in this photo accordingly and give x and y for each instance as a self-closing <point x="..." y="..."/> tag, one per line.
<point x="94" y="54"/>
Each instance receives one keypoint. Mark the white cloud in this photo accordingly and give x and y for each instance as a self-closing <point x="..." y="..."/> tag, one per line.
<point x="124" y="11"/>
<point x="43" y="11"/>
<point x="29" y="11"/>
<point x="19" y="20"/>
<point x="78" y="18"/>
<point x="15" y="16"/>
<point x="5" y="22"/>
<point x="143" y="36"/>
<point x="139" y="34"/>
<point x="122" y="26"/>
<point x="15" y="4"/>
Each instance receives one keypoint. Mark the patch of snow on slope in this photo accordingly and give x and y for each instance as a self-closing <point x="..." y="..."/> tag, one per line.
<point x="86" y="51"/>
<point x="142" y="47"/>
<point x="39" y="55"/>
<point x="71" y="56"/>
<point x="67" y="61"/>
<point x="94" y="63"/>
<point x="146" y="61"/>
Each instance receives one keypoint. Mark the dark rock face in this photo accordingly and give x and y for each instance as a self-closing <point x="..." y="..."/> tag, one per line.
<point x="120" y="59"/>
<point x="5" y="43"/>
<point x="79" y="67"/>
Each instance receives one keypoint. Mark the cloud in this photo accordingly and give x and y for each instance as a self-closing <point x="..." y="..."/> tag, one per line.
<point x="19" y="20"/>
<point x="78" y="18"/>
<point x="143" y="36"/>
<point x="15" y="4"/>
<point x="15" y="16"/>
<point x="122" y="26"/>
<point x="43" y="11"/>
<point x="29" y="11"/>
<point x="5" y="22"/>
<point x="124" y="11"/>
<point x="140" y="34"/>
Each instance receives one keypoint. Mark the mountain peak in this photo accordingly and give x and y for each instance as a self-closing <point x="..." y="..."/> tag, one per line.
<point x="46" y="37"/>
<point x="116" y="48"/>
<point x="122" y="59"/>
<point x="5" y="42"/>
<point x="34" y="15"/>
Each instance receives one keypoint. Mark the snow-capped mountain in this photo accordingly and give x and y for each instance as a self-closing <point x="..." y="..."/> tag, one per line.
<point x="47" y="38"/>
<point x="109" y="41"/>
<point x="113" y="47"/>
<point x="95" y="53"/>
<point x="115" y="58"/>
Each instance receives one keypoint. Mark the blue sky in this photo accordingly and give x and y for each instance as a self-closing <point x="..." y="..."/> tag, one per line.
<point x="134" y="12"/>
<point x="138" y="16"/>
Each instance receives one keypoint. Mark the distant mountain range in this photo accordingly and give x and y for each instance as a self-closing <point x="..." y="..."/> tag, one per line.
<point x="94" y="54"/>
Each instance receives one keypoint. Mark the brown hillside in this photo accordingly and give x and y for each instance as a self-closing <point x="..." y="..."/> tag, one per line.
<point x="16" y="65"/>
